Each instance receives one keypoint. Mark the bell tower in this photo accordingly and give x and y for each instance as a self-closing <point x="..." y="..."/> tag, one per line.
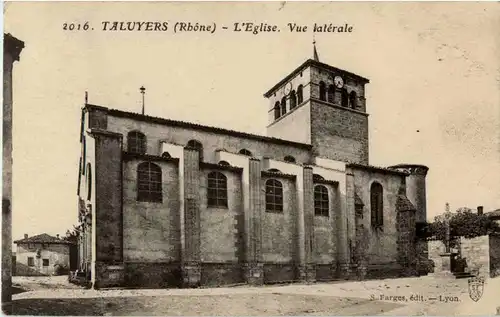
<point x="324" y="106"/>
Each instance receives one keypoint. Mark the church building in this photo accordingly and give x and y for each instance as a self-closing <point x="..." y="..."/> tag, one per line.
<point x="165" y="203"/>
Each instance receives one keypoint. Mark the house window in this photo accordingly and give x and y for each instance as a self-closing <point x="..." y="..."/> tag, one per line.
<point x="321" y="201"/>
<point x="377" y="205"/>
<point x="44" y="246"/>
<point x="300" y="94"/>
<point x="277" y="111"/>
<point x="293" y="100"/>
<point x="217" y="190"/>
<point x="198" y="146"/>
<point x="274" y="196"/>
<point x="245" y="152"/>
<point x="289" y="159"/>
<point x="166" y="155"/>
<point x="136" y="142"/>
<point x="331" y="93"/>
<point x="322" y="91"/>
<point x="31" y="261"/>
<point x="283" y="106"/>
<point x="149" y="186"/>
<point x="45" y="262"/>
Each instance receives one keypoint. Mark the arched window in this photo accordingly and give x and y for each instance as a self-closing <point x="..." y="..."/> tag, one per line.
<point x="277" y="110"/>
<point x="166" y="155"/>
<point x="377" y="205"/>
<point x="293" y="100"/>
<point x="300" y="94"/>
<point x="89" y="182"/>
<point x="331" y="93"/>
<point x="345" y="98"/>
<point x="352" y="99"/>
<point x="149" y="186"/>
<point x="217" y="190"/>
<point x="283" y="106"/>
<point x="196" y="145"/>
<point x="289" y="159"/>
<point x="245" y="152"/>
<point x="136" y="142"/>
<point x="321" y="201"/>
<point x="274" y="196"/>
<point x="224" y="163"/>
<point x="322" y="91"/>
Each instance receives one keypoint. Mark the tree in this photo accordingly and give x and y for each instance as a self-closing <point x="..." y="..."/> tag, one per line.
<point x="72" y="235"/>
<point x="463" y="223"/>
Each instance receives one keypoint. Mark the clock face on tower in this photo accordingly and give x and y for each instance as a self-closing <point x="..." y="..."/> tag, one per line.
<point x="338" y="81"/>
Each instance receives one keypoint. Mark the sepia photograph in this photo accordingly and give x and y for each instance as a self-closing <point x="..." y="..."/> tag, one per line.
<point x="251" y="158"/>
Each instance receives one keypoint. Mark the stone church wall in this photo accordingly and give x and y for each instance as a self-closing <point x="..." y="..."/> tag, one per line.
<point x="211" y="141"/>
<point x="151" y="233"/>
<point x="382" y="249"/>
<point x="278" y="235"/>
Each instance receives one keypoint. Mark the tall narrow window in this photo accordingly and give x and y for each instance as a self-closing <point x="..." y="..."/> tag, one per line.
<point x="352" y="100"/>
<point x="245" y="152"/>
<point x="149" y="186"/>
<point x="89" y="182"/>
<point x="293" y="100"/>
<point x="274" y="196"/>
<point x="331" y="93"/>
<point x="45" y="262"/>
<point x="277" y="110"/>
<point x="322" y="91"/>
<point x="300" y="94"/>
<point x="198" y="146"/>
<point x="377" y="205"/>
<point x="217" y="190"/>
<point x="283" y="106"/>
<point x="31" y="261"/>
<point x="345" y="98"/>
<point x="136" y="142"/>
<point x="321" y="201"/>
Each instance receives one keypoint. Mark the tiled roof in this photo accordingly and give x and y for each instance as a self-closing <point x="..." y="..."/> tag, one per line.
<point x="196" y="126"/>
<point x="43" y="238"/>
<point x="404" y="204"/>
<point x="376" y="169"/>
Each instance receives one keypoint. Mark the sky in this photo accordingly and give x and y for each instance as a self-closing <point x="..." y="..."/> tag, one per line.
<point x="433" y="96"/>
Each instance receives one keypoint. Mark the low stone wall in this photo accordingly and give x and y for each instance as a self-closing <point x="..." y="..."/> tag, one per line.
<point x="480" y="254"/>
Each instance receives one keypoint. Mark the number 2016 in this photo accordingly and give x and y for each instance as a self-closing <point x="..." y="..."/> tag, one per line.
<point x="76" y="26"/>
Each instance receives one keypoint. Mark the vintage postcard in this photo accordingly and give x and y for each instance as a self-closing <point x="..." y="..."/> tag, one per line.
<point x="251" y="158"/>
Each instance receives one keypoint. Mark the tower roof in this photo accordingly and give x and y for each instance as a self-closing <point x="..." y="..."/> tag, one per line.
<point x="312" y="62"/>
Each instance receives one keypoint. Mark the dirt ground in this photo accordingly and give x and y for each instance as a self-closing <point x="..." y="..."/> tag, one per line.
<point x="408" y="296"/>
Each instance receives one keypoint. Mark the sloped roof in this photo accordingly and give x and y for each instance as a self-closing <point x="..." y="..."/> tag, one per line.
<point x="404" y="204"/>
<point x="357" y="200"/>
<point x="42" y="238"/>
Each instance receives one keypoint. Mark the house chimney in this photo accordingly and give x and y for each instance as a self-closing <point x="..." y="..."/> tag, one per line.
<point x="25" y="236"/>
<point x="479" y="210"/>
